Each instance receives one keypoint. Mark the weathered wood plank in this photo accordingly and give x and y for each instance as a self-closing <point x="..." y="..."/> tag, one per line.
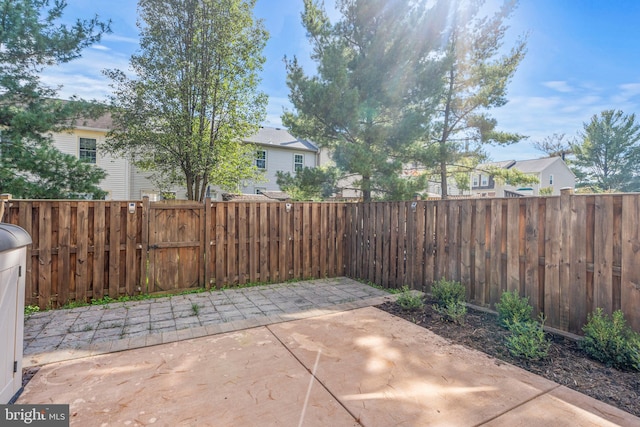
<point x="221" y="243"/>
<point x="480" y="242"/>
<point x="603" y="253"/>
<point x="466" y="243"/>
<point x="44" y="257"/>
<point x="441" y="240"/>
<point x="131" y="251"/>
<point x="64" y="254"/>
<point x="513" y="245"/>
<point x="630" y="282"/>
<point x="552" y="256"/>
<point x="495" y="282"/>
<point x="430" y="244"/>
<point x="531" y="280"/>
<point x="565" y="259"/>
<point x="578" y="266"/>
<point x="393" y="247"/>
<point x="82" y="275"/>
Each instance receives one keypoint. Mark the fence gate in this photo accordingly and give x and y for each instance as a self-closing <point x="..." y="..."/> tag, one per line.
<point x="176" y="246"/>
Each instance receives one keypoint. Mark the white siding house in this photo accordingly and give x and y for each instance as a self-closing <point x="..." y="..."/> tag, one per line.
<point x="84" y="142"/>
<point x="552" y="172"/>
<point x="276" y="150"/>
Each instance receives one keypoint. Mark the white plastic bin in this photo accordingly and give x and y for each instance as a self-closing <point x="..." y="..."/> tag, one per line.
<point x="13" y="255"/>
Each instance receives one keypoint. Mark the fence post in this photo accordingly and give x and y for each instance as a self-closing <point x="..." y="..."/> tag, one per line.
<point x="144" y="243"/>
<point x="206" y="254"/>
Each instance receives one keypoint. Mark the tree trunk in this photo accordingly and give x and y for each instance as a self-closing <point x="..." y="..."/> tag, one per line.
<point x="366" y="188"/>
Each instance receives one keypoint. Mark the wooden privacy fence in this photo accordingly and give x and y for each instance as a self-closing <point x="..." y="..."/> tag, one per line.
<point x="568" y="254"/>
<point x="85" y="250"/>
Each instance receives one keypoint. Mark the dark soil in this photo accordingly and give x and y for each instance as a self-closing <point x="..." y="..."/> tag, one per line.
<point x="566" y="364"/>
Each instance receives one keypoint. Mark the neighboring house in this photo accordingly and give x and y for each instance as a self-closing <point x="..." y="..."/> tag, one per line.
<point x="552" y="173"/>
<point x="84" y="141"/>
<point x="276" y="150"/>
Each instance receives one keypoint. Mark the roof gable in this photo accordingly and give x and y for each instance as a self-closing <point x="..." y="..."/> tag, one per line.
<point x="281" y="138"/>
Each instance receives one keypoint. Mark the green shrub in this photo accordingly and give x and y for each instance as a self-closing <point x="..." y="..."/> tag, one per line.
<point x="610" y="341"/>
<point x="450" y="300"/>
<point x="30" y="309"/>
<point x="513" y="309"/>
<point x="527" y="340"/>
<point x="409" y="301"/>
<point x="454" y="311"/>
<point x="444" y="291"/>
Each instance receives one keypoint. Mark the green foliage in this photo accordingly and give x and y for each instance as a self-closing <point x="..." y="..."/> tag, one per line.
<point x="195" y="308"/>
<point x="608" y="155"/>
<point x="195" y="96"/>
<point x="611" y="341"/>
<point x="513" y="309"/>
<point x="454" y="311"/>
<point x="30" y="309"/>
<point x="527" y="340"/>
<point x="546" y="191"/>
<point x="309" y="183"/>
<point x="31" y="38"/>
<point x="450" y="300"/>
<point x="409" y="301"/>
<point x="444" y="290"/>
<point x="364" y="102"/>
<point x="475" y="75"/>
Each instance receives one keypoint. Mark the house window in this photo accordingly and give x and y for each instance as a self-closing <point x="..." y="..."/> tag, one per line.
<point x="550" y="179"/>
<point x="484" y="180"/>
<point x="298" y="162"/>
<point x="475" y="181"/>
<point x="261" y="159"/>
<point x="87" y="152"/>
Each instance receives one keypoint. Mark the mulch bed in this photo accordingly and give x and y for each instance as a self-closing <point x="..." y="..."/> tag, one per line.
<point x="566" y="364"/>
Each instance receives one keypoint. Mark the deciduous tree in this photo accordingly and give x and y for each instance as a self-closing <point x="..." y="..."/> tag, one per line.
<point x="194" y="97"/>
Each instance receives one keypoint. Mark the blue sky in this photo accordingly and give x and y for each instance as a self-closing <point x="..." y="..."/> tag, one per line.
<point x="583" y="56"/>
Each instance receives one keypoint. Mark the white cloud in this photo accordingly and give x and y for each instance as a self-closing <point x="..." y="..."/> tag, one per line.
<point x="627" y="92"/>
<point x="559" y="86"/>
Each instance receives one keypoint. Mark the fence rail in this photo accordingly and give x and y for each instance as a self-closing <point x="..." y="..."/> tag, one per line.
<point x="568" y="254"/>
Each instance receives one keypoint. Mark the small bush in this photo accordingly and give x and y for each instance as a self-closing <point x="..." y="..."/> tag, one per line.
<point x="513" y="309"/>
<point x="610" y="341"/>
<point x="454" y="311"/>
<point x="527" y="340"/>
<point x="409" y="301"/>
<point x="444" y="291"/>
<point x="30" y="309"/>
<point x="450" y="300"/>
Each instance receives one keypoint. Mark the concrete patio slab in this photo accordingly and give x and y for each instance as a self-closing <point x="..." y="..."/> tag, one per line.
<point x="244" y="378"/>
<point x="360" y="367"/>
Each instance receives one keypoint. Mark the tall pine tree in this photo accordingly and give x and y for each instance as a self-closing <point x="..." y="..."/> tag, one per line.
<point x="362" y="102"/>
<point x="31" y="38"/>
